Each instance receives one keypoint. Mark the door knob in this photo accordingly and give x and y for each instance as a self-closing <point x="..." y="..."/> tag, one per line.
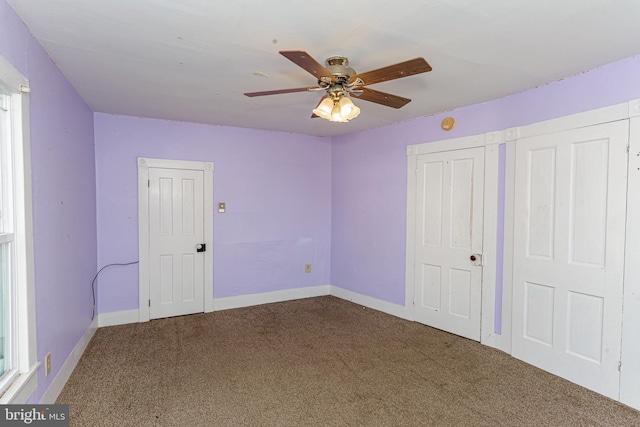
<point x="472" y="257"/>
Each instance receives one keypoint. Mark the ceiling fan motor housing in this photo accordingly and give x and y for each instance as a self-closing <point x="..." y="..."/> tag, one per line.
<point x="339" y="67"/>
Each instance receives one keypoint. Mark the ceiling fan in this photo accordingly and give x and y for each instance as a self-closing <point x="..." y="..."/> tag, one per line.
<point x="340" y="81"/>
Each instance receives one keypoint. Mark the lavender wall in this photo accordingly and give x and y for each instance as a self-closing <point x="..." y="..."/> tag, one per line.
<point x="64" y="214"/>
<point x="277" y="190"/>
<point x="369" y="171"/>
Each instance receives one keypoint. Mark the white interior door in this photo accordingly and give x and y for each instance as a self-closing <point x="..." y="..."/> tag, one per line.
<point x="569" y="224"/>
<point x="176" y="228"/>
<point x="449" y="221"/>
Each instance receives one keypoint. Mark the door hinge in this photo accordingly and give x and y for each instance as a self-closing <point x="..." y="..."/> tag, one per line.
<point x="628" y="147"/>
<point x="148" y="183"/>
<point x="149" y="303"/>
<point x="620" y="366"/>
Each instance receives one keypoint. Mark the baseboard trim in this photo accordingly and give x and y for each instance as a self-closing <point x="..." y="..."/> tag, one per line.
<point x="240" y="301"/>
<point x="118" y="318"/>
<point x="371" y="302"/>
<point x="131" y="316"/>
<point x="55" y="388"/>
<point x="269" y="297"/>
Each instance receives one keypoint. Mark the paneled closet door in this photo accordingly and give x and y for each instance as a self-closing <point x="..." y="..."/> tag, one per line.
<point x="569" y="234"/>
<point x="176" y="228"/>
<point x="448" y="248"/>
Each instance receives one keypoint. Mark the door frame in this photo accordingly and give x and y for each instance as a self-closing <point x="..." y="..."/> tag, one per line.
<point x="490" y="142"/>
<point x="143" y="228"/>
<point x="630" y="353"/>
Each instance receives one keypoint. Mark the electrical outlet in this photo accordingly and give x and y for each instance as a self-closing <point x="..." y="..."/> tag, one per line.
<point x="47" y="364"/>
<point x="307" y="268"/>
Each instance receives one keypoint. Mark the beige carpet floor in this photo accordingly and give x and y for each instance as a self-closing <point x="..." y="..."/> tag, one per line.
<point x="316" y="362"/>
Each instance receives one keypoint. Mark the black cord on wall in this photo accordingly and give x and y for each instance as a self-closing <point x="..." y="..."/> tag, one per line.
<point x="93" y="282"/>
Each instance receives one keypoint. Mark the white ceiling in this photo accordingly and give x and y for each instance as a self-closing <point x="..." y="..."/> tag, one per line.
<point x="192" y="60"/>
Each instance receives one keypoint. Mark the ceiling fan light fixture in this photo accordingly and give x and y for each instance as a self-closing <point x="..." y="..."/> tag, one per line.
<point x="348" y="109"/>
<point x="338" y="108"/>
<point x="336" y="114"/>
<point x="355" y="112"/>
<point x="324" y="108"/>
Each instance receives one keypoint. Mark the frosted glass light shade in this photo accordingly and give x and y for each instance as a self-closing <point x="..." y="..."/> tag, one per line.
<point x="348" y="110"/>
<point x="324" y="108"/>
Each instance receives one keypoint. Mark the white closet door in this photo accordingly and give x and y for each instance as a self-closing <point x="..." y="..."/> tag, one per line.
<point x="569" y="234"/>
<point x="449" y="225"/>
<point x="176" y="227"/>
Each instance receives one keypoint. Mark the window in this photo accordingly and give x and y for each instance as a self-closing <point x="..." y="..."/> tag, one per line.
<point x="6" y="239"/>
<point x="17" y="303"/>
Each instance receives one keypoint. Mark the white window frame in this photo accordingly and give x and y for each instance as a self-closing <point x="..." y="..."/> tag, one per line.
<point x="19" y="386"/>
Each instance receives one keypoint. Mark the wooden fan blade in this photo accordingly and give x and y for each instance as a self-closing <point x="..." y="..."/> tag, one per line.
<point x="304" y="60"/>
<point x="279" y="91"/>
<point x="383" y="98"/>
<point x="396" y="71"/>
